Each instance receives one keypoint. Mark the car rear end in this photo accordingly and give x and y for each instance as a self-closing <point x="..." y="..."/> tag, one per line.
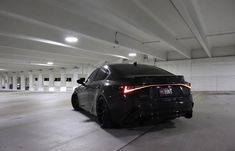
<point x="165" y="97"/>
<point x="155" y="97"/>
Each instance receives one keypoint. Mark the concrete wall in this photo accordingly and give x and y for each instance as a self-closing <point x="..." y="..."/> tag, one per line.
<point x="82" y="71"/>
<point x="214" y="74"/>
<point x="41" y="85"/>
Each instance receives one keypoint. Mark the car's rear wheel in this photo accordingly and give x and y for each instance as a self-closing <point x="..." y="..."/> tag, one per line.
<point x="189" y="114"/>
<point x="75" y="102"/>
<point x="103" y="114"/>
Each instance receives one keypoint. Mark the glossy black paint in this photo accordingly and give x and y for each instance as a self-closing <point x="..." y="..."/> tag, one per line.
<point x="146" y="103"/>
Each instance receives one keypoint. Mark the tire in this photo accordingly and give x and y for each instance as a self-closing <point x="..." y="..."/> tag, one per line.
<point x="75" y="102"/>
<point x="103" y="114"/>
<point x="189" y="114"/>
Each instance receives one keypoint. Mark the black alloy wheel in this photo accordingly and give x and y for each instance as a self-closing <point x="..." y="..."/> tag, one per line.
<point x="189" y="114"/>
<point x="103" y="114"/>
<point x="75" y="102"/>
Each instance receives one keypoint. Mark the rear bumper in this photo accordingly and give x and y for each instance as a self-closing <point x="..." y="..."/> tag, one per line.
<point x="163" y="108"/>
<point x="130" y="110"/>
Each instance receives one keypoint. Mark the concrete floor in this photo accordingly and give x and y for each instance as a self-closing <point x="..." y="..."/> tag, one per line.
<point x="46" y="121"/>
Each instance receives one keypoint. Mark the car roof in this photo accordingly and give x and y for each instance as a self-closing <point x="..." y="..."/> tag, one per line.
<point x="125" y="70"/>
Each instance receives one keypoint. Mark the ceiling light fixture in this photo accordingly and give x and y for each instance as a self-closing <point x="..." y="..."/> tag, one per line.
<point x="132" y="54"/>
<point x="2" y="69"/>
<point x="50" y="63"/>
<point x="71" y="39"/>
<point x="42" y="64"/>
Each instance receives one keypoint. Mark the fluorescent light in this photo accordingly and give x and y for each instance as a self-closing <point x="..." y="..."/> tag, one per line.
<point x="63" y="89"/>
<point x="40" y="64"/>
<point x="71" y="39"/>
<point x="50" y="63"/>
<point x="37" y="39"/>
<point x="51" y="89"/>
<point x="106" y="66"/>
<point x="2" y="69"/>
<point x="132" y="54"/>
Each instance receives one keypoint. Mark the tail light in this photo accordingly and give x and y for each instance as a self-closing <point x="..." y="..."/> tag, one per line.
<point x="129" y="89"/>
<point x="188" y="84"/>
<point x="186" y="89"/>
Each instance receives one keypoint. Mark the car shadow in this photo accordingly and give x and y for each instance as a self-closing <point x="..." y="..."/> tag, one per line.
<point x="155" y="126"/>
<point x="91" y="117"/>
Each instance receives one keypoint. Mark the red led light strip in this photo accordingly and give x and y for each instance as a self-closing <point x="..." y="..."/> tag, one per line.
<point x="156" y="85"/>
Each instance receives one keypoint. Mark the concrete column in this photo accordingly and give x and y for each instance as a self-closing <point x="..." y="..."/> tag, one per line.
<point x="51" y="80"/>
<point x="3" y="80"/>
<point x="14" y="82"/>
<point x="22" y="81"/>
<point x="75" y="77"/>
<point x="62" y="82"/>
<point x="9" y="80"/>
<point x="0" y="82"/>
<point x="6" y="81"/>
<point x="40" y="87"/>
<point x="31" y="88"/>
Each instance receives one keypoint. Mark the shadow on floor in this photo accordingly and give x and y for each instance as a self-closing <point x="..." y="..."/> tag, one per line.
<point x="128" y="130"/>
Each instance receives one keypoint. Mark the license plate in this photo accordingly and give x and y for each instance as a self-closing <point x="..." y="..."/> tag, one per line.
<point x="165" y="91"/>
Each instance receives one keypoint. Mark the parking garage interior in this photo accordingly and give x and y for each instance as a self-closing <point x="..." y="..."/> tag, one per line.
<point x="46" y="46"/>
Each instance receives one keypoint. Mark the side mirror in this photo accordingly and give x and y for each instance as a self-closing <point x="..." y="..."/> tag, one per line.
<point x="81" y="81"/>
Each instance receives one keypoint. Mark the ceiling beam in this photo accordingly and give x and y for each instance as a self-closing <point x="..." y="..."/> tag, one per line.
<point x="189" y="13"/>
<point x="137" y="15"/>
<point x="22" y="28"/>
<point x="35" y="47"/>
<point x="20" y="51"/>
<point x="58" y="19"/>
<point x="33" y="59"/>
<point x="10" y="66"/>
<point x="43" y="57"/>
<point x="11" y="63"/>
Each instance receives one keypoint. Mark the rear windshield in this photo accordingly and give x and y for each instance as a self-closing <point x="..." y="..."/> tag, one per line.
<point x="127" y="70"/>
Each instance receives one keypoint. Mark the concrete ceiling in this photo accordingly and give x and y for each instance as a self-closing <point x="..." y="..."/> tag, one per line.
<point x="32" y="32"/>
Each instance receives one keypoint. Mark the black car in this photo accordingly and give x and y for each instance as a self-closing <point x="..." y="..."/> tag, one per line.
<point x="126" y="93"/>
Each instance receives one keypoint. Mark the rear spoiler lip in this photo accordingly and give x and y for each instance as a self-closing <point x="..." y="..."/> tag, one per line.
<point x="142" y="76"/>
<point x="173" y="84"/>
